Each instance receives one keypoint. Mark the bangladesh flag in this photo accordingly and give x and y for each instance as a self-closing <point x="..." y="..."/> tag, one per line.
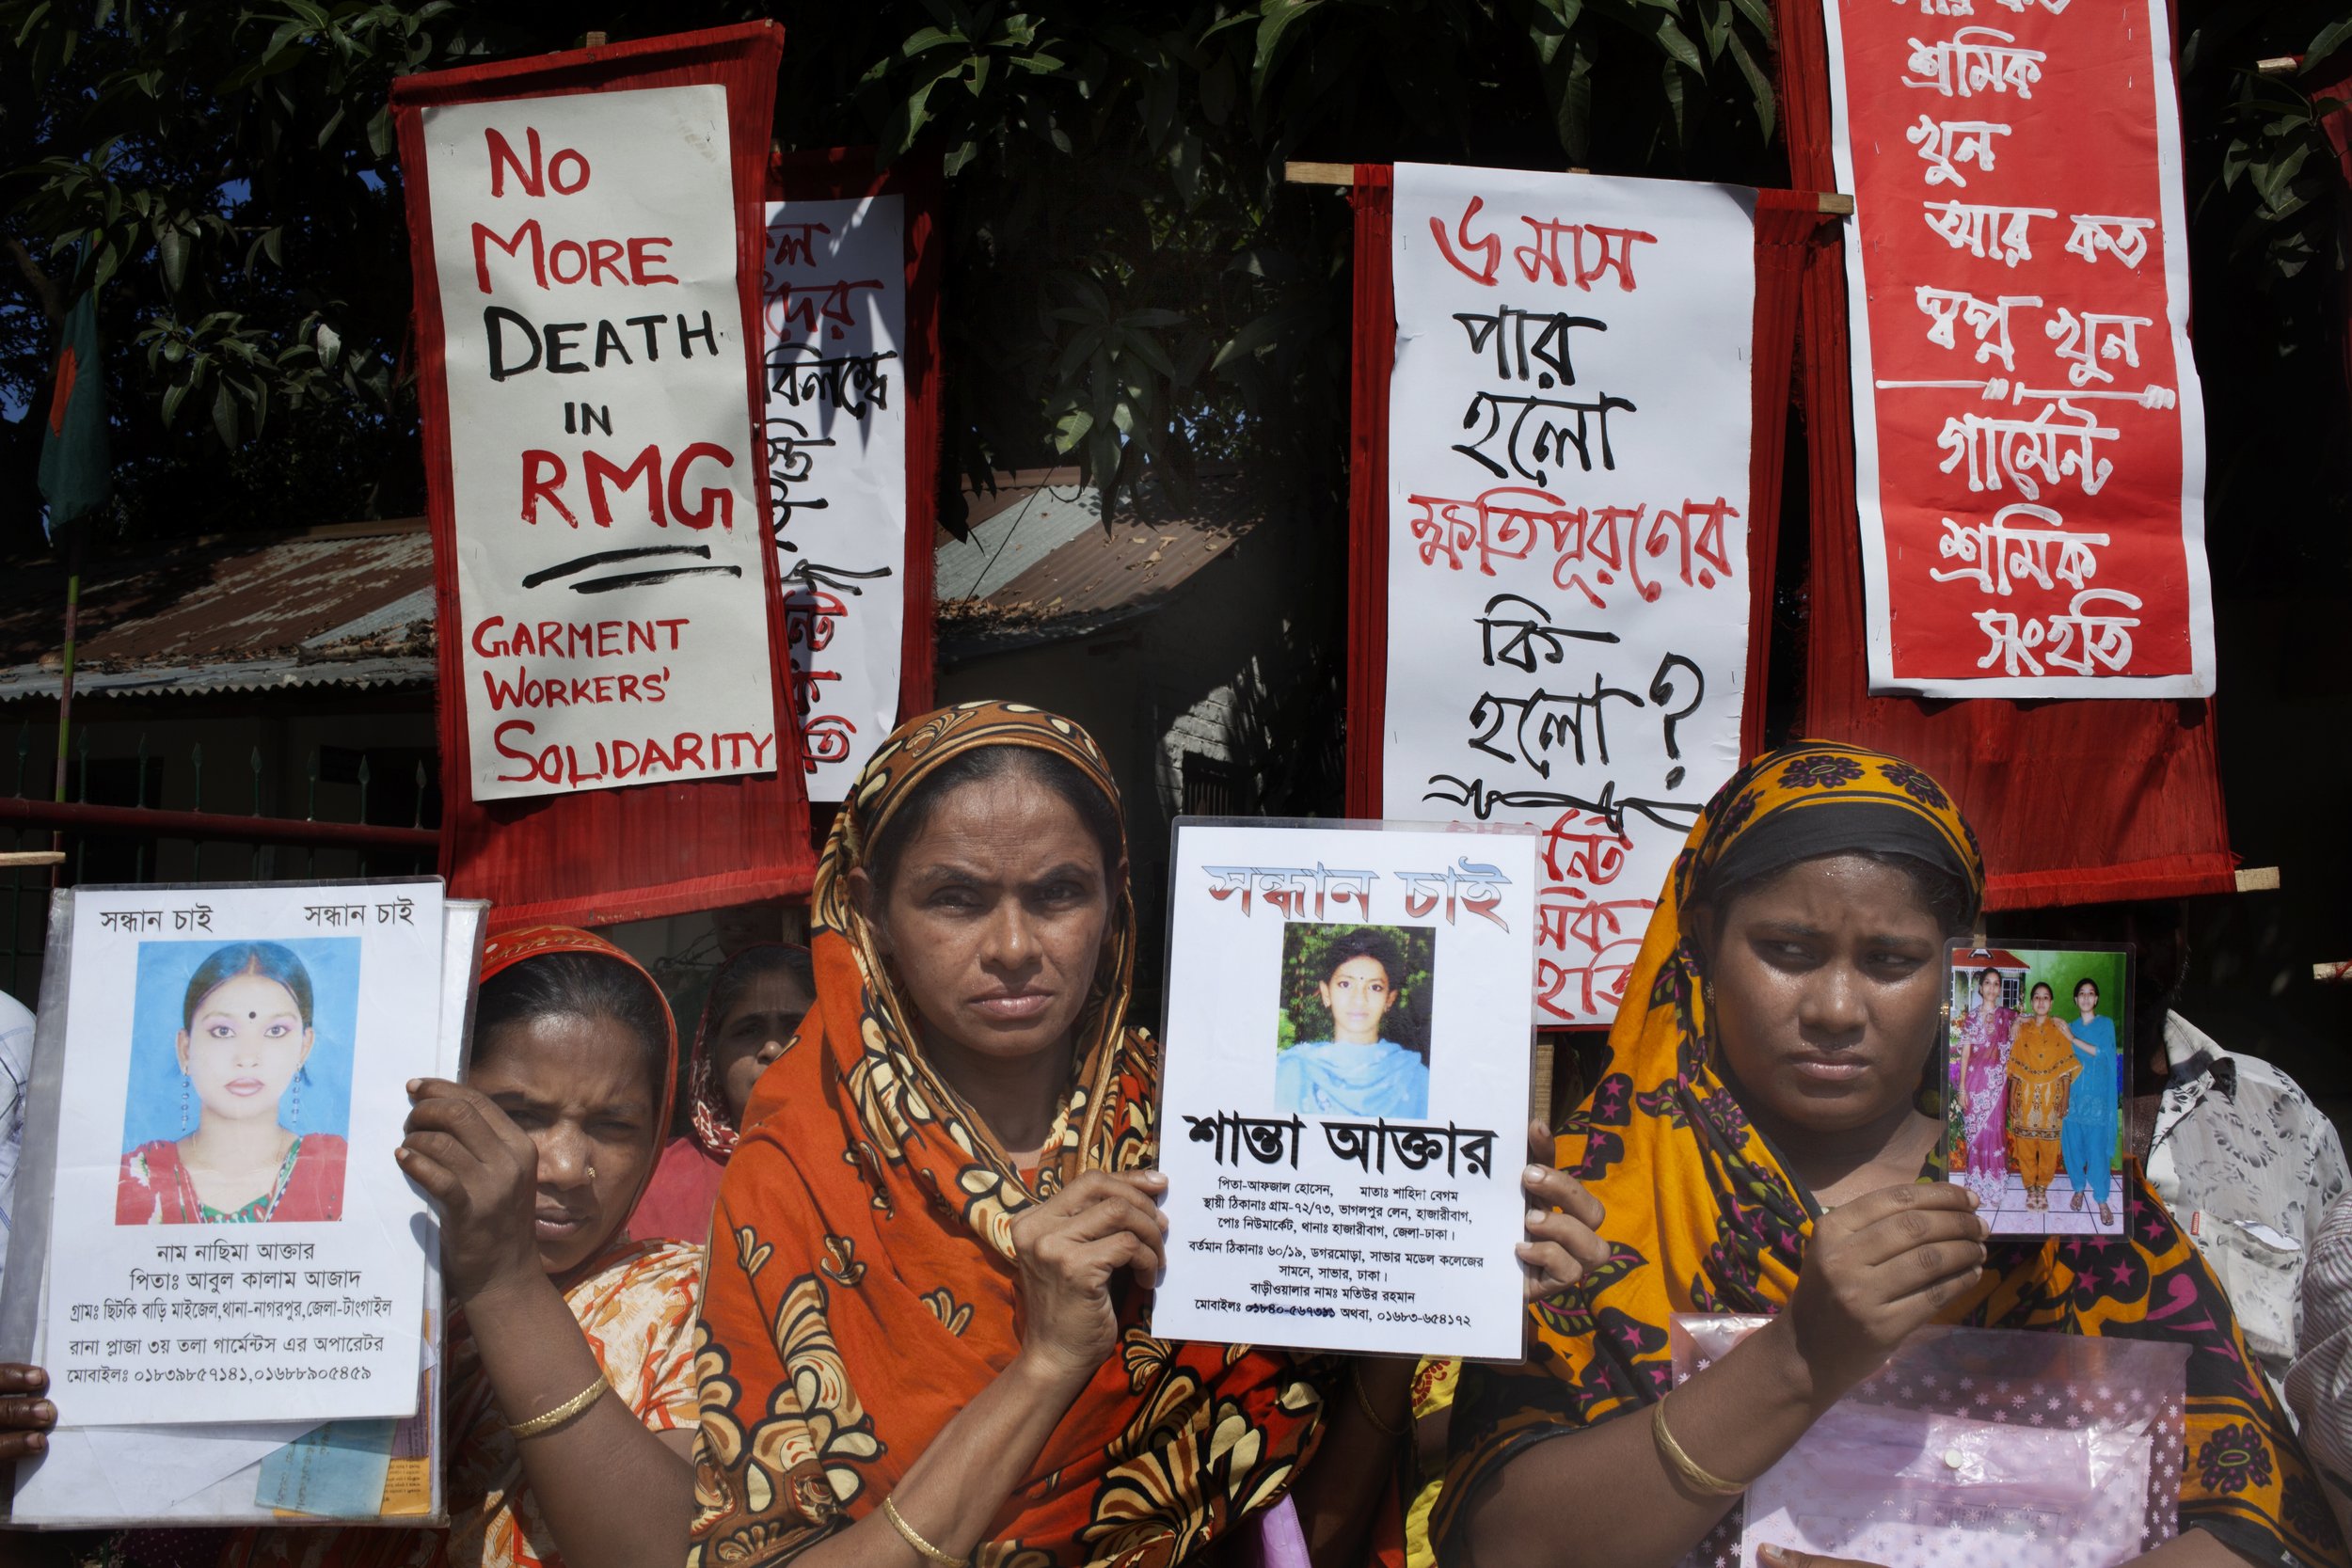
<point x="75" y="471"/>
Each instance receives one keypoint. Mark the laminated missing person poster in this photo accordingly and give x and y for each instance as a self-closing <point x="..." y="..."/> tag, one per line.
<point x="2039" y="1063"/>
<point x="232" y="1286"/>
<point x="1343" y="1109"/>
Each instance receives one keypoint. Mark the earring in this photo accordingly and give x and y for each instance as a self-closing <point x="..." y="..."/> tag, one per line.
<point x="186" y="1086"/>
<point x="592" y="1170"/>
<point x="293" y="1112"/>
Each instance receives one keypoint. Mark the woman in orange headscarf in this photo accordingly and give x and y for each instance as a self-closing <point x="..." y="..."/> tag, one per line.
<point x="570" y="1400"/>
<point x="1757" y="1141"/>
<point x="923" y="1335"/>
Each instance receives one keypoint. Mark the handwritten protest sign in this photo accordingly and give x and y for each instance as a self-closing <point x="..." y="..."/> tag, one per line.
<point x="2029" y="428"/>
<point x="189" y="1279"/>
<point x="835" y="337"/>
<point x="610" y="576"/>
<point x="1568" y="592"/>
<point x="1344" y="1104"/>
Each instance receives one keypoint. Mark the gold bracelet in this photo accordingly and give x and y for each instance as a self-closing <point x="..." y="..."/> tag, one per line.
<point x="562" y="1413"/>
<point x="1355" y="1381"/>
<point x="1683" y="1465"/>
<point x="907" y="1533"/>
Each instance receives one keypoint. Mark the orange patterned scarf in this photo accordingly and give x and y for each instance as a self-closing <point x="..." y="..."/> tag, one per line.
<point x="862" y="1290"/>
<point x="1702" y="1217"/>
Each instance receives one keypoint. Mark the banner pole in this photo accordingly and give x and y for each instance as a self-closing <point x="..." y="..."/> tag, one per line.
<point x="65" y="687"/>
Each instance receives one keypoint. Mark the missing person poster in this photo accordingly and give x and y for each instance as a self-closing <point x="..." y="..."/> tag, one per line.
<point x="1343" y="1110"/>
<point x="233" y="1240"/>
<point x="2039" y="1067"/>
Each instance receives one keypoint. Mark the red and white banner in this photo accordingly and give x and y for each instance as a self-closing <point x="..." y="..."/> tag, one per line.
<point x="2028" y="430"/>
<point x="586" y="234"/>
<point x="1569" y="582"/>
<point x="850" y="342"/>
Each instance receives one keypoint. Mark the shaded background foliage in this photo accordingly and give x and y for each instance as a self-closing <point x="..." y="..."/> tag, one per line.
<point x="1131" y="285"/>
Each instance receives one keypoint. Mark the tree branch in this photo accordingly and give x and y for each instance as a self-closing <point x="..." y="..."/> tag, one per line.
<point x="52" y="303"/>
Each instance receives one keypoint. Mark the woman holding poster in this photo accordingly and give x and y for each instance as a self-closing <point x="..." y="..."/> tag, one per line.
<point x="1756" y="1142"/>
<point x="570" y="1400"/>
<point x="923" y="1330"/>
<point x="245" y="1037"/>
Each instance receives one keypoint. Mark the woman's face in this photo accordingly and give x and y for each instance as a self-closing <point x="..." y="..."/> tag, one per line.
<point x="755" y="1032"/>
<point x="579" y="1088"/>
<point x="1990" y="989"/>
<point x="2087" y="998"/>
<point x="2043" y="997"/>
<point x="1828" y="987"/>
<point x="994" y="918"/>
<point x="243" y="1047"/>
<point x="1358" y="994"/>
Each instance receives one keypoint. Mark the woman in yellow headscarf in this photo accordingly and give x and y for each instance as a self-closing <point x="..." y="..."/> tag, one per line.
<point x="2043" y="1067"/>
<point x="1756" y="1142"/>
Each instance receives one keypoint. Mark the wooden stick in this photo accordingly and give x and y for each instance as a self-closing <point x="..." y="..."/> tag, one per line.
<point x="1297" y="172"/>
<point x="32" y="856"/>
<point x="2258" y="879"/>
<point x="2339" y="970"/>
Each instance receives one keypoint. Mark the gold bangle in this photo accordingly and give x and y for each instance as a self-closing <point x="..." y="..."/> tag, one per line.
<point x="1683" y="1465"/>
<point x="1355" y="1381"/>
<point x="907" y="1533"/>
<point x="562" y="1413"/>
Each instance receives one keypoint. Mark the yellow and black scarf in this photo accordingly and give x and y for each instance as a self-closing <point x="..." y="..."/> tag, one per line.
<point x="1703" y="1218"/>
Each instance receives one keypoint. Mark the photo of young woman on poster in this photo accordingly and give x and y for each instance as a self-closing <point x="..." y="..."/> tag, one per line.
<point x="1338" y="1046"/>
<point x="2088" y="1138"/>
<point x="1980" y="1042"/>
<point x="240" y="1149"/>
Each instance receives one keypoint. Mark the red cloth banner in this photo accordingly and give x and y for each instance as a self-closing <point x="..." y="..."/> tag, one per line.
<point x="852" y="357"/>
<point x="2029" y="427"/>
<point x="1591" y="931"/>
<point x="2076" y="802"/>
<point x="724" y="818"/>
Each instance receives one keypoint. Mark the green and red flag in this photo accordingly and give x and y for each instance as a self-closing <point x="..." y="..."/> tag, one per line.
<point x="76" y="472"/>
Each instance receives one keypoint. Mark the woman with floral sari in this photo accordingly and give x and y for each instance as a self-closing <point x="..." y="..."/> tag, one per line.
<point x="1756" y="1143"/>
<point x="569" y="1407"/>
<point x="923" y="1338"/>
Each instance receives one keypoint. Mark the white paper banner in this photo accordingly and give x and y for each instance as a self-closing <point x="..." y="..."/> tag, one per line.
<point x="200" y="1269"/>
<point x="835" y="306"/>
<point x="1567" y="531"/>
<point x="605" y="487"/>
<point x="1343" y="1112"/>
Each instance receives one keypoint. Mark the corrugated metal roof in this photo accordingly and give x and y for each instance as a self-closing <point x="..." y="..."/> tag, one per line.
<point x="1066" y="579"/>
<point x="260" y="675"/>
<point x="351" y="605"/>
<point x="1030" y="515"/>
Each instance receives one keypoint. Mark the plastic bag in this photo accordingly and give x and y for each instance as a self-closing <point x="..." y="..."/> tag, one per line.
<point x="1972" y="1445"/>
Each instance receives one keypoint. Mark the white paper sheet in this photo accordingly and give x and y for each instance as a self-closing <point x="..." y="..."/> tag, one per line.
<point x="836" y="305"/>
<point x="1329" y="1194"/>
<point x="159" y="1321"/>
<point x="606" y="490"/>
<point x="1568" y="586"/>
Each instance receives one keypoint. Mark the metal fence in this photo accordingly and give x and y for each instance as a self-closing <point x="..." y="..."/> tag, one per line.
<point x="378" y="816"/>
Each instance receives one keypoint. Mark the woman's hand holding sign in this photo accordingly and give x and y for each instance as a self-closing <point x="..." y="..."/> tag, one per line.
<point x="1564" y="1241"/>
<point x="1070" y="1250"/>
<point x="483" y="1173"/>
<point x="25" y="1415"/>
